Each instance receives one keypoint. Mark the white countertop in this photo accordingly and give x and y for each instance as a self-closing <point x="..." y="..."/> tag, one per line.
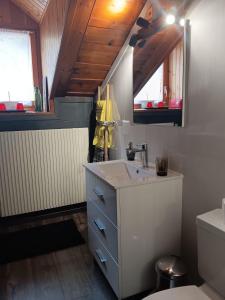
<point x="116" y="173"/>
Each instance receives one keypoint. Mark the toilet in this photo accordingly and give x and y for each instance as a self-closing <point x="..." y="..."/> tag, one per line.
<point x="211" y="262"/>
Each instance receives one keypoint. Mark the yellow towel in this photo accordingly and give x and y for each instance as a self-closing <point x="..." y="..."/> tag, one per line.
<point x="103" y="113"/>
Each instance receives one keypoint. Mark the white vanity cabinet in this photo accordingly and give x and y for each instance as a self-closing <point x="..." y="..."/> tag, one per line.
<point x="130" y="227"/>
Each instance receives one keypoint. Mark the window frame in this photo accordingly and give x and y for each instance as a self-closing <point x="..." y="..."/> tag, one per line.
<point x="165" y="79"/>
<point x="35" y="56"/>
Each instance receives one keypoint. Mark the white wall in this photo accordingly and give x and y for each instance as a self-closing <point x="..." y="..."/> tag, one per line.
<point x="198" y="150"/>
<point x="121" y="91"/>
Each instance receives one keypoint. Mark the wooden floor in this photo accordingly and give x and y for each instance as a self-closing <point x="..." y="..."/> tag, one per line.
<point x="70" y="274"/>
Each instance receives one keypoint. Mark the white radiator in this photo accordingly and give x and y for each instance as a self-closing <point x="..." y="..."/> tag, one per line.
<point x="41" y="169"/>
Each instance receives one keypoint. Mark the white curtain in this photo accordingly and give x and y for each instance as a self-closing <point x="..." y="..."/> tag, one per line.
<point x="16" y="75"/>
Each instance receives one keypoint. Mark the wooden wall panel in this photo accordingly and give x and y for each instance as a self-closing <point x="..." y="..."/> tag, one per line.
<point x="51" y="32"/>
<point x="36" y="58"/>
<point x="14" y="18"/>
<point x="176" y="72"/>
<point x="34" y="8"/>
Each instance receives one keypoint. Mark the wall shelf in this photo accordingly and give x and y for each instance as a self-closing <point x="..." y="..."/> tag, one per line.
<point x="158" y="116"/>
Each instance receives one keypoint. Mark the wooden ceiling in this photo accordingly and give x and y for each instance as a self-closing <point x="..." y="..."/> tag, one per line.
<point x="34" y="8"/>
<point x="105" y="29"/>
<point x="94" y="34"/>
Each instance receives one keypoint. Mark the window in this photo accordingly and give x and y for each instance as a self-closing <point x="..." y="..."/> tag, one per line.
<point x="16" y="73"/>
<point x="153" y="89"/>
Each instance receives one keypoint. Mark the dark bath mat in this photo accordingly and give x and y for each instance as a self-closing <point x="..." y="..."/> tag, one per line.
<point x="38" y="241"/>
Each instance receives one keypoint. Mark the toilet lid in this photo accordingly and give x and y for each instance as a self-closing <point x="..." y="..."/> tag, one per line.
<point x="185" y="293"/>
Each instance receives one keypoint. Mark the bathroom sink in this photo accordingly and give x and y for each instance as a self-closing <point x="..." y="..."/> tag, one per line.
<point x="122" y="173"/>
<point x="125" y="171"/>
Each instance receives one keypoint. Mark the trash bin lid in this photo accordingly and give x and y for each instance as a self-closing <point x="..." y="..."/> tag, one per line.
<point x="171" y="266"/>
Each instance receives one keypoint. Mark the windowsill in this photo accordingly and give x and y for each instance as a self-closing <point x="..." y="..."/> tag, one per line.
<point x="68" y="114"/>
<point x="158" y="116"/>
<point x="155" y="109"/>
<point x="28" y="115"/>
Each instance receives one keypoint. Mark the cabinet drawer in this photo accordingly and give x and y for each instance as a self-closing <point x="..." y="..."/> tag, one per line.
<point x="103" y="195"/>
<point x="103" y="228"/>
<point x="105" y="261"/>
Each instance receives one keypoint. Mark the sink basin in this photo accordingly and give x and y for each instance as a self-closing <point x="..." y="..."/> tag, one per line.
<point x="122" y="173"/>
<point x="125" y="171"/>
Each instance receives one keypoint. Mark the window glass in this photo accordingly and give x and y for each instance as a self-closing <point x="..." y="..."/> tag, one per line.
<point x="153" y="89"/>
<point x="16" y="75"/>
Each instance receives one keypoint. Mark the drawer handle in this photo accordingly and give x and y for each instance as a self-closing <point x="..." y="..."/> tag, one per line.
<point x="99" y="225"/>
<point x="98" y="193"/>
<point x="100" y="256"/>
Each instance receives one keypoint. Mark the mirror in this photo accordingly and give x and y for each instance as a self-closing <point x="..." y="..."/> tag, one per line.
<point x="159" y="76"/>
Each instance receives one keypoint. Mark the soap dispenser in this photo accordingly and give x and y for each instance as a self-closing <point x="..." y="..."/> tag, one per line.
<point x="130" y="152"/>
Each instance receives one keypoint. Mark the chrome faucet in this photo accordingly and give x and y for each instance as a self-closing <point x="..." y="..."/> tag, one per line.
<point x="143" y="149"/>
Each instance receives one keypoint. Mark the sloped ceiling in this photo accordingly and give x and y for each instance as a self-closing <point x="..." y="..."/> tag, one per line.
<point x="94" y="33"/>
<point x="34" y="8"/>
<point x="86" y="63"/>
<point x="87" y="59"/>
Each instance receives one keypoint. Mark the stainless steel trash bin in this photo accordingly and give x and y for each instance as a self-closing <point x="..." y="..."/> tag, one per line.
<point x="171" y="272"/>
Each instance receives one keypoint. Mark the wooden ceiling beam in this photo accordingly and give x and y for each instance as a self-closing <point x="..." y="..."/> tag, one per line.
<point x="79" y="13"/>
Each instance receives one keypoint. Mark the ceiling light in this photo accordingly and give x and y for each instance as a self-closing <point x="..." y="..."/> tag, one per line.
<point x="182" y="22"/>
<point x="118" y="6"/>
<point x="170" y="19"/>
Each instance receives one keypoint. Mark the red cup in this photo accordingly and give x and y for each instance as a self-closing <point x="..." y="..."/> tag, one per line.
<point x="2" y="107"/>
<point x="19" y="106"/>
<point x="175" y="103"/>
<point x="160" y="104"/>
<point x="149" y="105"/>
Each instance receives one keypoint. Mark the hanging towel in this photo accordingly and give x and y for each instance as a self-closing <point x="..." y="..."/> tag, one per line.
<point x="104" y="113"/>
